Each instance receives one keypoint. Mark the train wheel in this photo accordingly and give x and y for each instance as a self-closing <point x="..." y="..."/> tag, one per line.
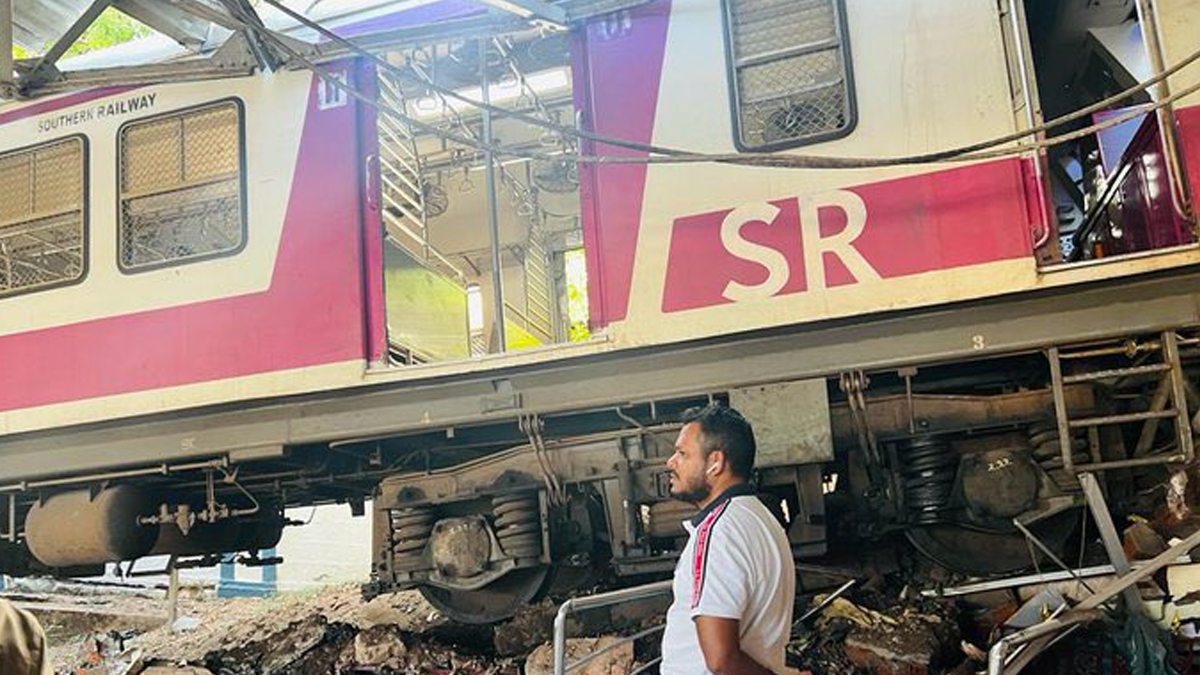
<point x="497" y="601"/>
<point x="985" y="553"/>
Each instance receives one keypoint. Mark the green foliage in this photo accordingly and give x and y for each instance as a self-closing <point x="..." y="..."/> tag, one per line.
<point x="577" y="300"/>
<point x="111" y="28"/>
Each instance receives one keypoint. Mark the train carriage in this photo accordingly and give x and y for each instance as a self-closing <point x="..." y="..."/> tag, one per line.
<point x="338" y="278"/>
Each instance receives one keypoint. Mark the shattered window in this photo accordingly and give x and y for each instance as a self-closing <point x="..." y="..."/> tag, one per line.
<point x="42" y="216"/>
<point x="182" y="195"/>
<point x="790" y="66"/>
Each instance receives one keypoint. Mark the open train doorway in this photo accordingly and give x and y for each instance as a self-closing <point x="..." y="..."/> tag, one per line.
<point x="1117" y="189"/>
<point x="480" y="248"/>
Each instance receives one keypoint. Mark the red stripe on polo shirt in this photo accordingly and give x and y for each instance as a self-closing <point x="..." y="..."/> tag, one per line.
<point x="700" y="559"/>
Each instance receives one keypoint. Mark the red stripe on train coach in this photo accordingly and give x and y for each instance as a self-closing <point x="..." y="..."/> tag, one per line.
<point x="1189" y="133"/>
<point x="943" y="220"/>
<point x="61" y="102"/>
<point x="311" y="314"/>
<point x="618" y="65"/>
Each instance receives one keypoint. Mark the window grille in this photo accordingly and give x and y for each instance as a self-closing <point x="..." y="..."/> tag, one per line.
<point x="42" y="216"/>
<point x="790" y="66"/>
<point x="182" y="194"/>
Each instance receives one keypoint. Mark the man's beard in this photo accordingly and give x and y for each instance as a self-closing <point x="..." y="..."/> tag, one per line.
<point x="694" y="495"/>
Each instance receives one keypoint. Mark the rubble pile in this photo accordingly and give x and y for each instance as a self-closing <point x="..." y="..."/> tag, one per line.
<point x="900" y="638"/>
<point x="903" y="620"/>
<point x="615" y="657"/>
<point x="315" y="645"/>
<point x="333" y="632"/>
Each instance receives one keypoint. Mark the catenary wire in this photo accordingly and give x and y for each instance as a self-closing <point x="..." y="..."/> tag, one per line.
<point x="664" y="155"/>
<point x="943" y="155"/>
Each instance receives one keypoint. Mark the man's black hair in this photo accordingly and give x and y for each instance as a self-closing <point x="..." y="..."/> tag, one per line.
<point x="723" y="428"/>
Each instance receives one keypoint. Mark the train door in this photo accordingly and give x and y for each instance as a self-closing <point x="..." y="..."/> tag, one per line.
<point x="481" y="251"/>
<point x="1120" y="187"/>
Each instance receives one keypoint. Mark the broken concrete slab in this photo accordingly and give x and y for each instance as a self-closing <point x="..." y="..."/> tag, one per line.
<point x="90" y="619"/>
<point x="407" y="609"/>
<point x="617" y="659"/>
<point x="309" y="651"/>
<point x="530" y="627"/>
<point x="901" y="640"/>
<point x="288" y="645"/>
<point x="1183" y="580"/>
<point x="1141" y="542"/>
<point x="380" y="647"/>
<point x="885" y="659"/>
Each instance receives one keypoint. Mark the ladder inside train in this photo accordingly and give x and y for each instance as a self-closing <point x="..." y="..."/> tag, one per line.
<point x="1094" y="363"/>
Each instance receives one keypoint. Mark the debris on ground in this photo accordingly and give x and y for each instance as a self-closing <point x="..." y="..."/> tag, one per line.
<point x="1142" y="542"/>
<point x="914" y="643"/>
<point x="884" y="625"/>
<point x="531" y="627"/>
<point x="615" y="657"/>
<point x="333" y="631"/>
<point x="106" y="654"/>
<point x="380" y="646"/>
<point x="896" y="637"/>
<point x="223" y="624"/>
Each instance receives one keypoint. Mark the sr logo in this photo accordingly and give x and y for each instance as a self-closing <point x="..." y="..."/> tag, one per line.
<point x="853" y="238"/>
<point x="764" y="249"/>
<point x="814" y="245"/>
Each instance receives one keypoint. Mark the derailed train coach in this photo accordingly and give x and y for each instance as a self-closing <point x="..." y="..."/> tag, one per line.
<point x="222" y="298"/>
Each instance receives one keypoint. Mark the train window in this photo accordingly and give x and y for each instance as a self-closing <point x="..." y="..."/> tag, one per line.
<point x="182" y="187"/>
<point x="790" y="72"/>
<point x="42" y="223"/>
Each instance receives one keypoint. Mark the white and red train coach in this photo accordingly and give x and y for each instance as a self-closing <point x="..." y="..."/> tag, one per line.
<point x="231" y="276"/>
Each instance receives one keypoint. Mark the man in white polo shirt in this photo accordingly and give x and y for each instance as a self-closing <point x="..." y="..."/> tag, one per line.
<point x="735" y="582"/>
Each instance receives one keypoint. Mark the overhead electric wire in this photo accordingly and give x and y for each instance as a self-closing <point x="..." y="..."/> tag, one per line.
<point x="450" y="93"/>
<point x="387" y="110"/>
<point x="943" y="155"/>
<point x="666" y="155"/>
<point x="784" y="161"/>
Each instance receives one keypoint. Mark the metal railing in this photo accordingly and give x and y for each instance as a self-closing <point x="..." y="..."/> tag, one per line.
<point x="1004" y="657"/>
<point x="403" y="184"/>
<point x="597" y="601"/>
<point x="1168" y="125"/>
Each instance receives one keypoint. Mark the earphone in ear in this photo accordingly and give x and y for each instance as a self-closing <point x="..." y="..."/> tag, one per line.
<point x="711" y="469"/>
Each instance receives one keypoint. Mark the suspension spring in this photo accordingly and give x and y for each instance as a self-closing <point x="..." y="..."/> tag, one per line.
<point x="518" y="523"/>
<point x="411" y="529"/>
<point x="927" y="468"/>
<point x="1047" y="452"/>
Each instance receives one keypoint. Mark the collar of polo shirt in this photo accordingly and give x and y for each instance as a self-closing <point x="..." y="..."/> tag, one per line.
<point x="729" y="493"/>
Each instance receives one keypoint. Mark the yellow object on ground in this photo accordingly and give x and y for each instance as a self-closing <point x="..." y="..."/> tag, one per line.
<point x="22" y="643"/>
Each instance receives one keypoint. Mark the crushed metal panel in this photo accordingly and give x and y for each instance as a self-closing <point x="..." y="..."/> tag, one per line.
<point x="176" y="23"/>
<point x="536" y="10"/>
<point x="791" y="421"/>
<point x="37" y="23"/>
